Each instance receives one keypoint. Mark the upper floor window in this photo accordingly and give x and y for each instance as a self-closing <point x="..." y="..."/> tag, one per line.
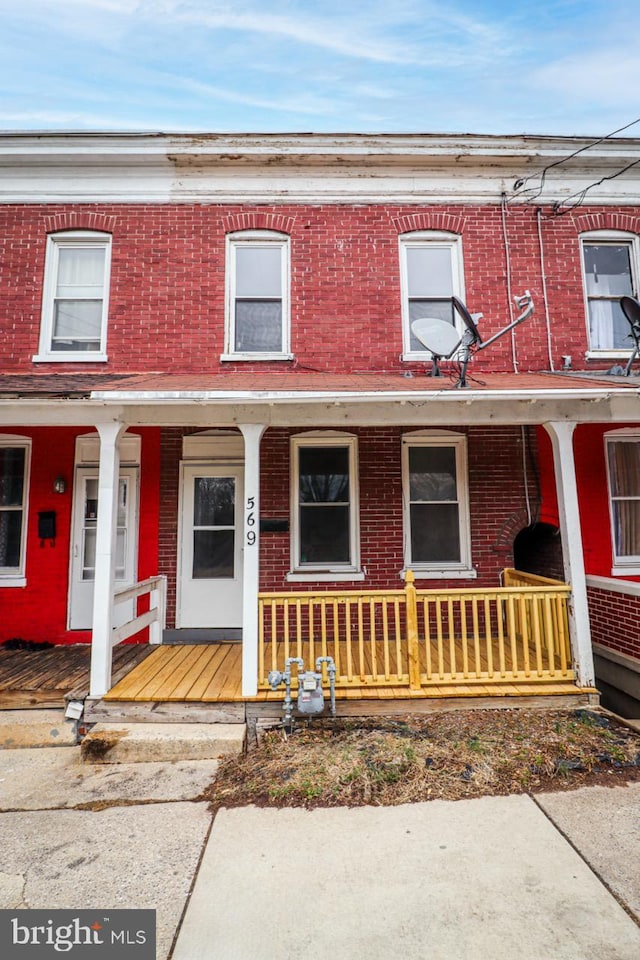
<point x="623" y="470"/>
<point x="325" y="503"/>
<point x="14" y="483"/>
<point x="609" y="261"/>
<point x="436" y="504"/>
<point x="430" y="275"/>
<point x="75" y="296"/>
<point x="257" y="310"/>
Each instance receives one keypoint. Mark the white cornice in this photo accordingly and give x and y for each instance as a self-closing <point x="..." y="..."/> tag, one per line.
<point x="373" y="168"/>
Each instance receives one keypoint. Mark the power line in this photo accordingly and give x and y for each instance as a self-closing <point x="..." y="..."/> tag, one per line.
<point x="557" y="207"/>
<point x="521" y="183"/>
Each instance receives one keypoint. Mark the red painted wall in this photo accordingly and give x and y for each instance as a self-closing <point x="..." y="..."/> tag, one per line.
<point x="167" y="281"/>
<point x="593" y="498"/>
<point x="39" y="610"/>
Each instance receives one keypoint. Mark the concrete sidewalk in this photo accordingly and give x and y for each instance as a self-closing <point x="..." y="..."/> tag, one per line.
<point x="473" y="880"/>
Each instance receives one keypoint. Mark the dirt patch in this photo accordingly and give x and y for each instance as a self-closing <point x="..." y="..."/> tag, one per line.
<point x="96" y="746"/>
<point x="449" y="756"/>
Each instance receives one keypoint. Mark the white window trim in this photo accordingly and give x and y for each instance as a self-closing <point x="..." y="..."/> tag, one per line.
<point x="247" y="238"/>
<point x="621" y="566"/>
<point x="439" y="571"/>
<point x="326" y="571"/>
<point x="56" y="241"/>
<point x="608" y="236"/>
<point x="421" y="238"/>
<point x="15" y="576"/>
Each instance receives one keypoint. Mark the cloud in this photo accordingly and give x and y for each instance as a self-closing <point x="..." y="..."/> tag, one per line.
<point x="603" y="77"/>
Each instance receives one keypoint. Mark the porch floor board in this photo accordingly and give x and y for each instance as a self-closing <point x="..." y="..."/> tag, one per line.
<point x="46" y="678"/>
<point x="213" y="674"/>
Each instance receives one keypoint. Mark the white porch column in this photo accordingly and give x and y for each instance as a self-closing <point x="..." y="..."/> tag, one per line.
<point x="101" y="651"/>
<point x="561" y="433"/>
<point x="252" y="433"/>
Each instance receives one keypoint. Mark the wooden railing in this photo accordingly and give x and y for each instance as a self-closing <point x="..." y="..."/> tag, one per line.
<point x="416" y="638"/>
<point x="154" y="618"/>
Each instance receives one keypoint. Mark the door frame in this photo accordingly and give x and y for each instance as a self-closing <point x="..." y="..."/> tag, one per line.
<point x="84" y="470"/>
<point x="237" y="465"/>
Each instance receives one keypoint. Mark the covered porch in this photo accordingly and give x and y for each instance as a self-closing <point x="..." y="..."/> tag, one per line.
<point x="390" y="644"/>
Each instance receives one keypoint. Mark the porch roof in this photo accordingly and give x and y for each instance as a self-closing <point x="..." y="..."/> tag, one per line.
<point x="275" y="384"/>
<point x="302" y="397"/>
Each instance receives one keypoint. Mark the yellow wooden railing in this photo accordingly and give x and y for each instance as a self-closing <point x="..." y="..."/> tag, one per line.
<point x="417" y="638"/>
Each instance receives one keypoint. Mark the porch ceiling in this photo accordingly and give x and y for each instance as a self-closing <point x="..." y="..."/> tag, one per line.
<point x="304" y="398"/>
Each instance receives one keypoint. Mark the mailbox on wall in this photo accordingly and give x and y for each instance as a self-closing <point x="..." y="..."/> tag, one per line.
<point x="47" y="526"/>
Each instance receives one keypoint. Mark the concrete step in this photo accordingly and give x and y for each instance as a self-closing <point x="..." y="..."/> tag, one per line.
<point x="35" y="728"/>
<point x="142" y="742"/>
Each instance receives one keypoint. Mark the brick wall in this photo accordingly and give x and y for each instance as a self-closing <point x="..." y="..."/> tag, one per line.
<point x="496" y="493"/>
<point x="166" y="307"/>
<point x="615" y="620"/>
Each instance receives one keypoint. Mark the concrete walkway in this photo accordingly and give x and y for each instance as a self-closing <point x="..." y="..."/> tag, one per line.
<point x="474" y="880"/>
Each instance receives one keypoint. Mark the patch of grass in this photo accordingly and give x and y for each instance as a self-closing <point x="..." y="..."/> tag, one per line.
<point x="348" y="762"/>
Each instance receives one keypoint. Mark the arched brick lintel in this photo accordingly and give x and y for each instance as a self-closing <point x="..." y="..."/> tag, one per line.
<point x="607" y="220"/>
<point x="258" y="220"/>
<point x="80" y="220"/>
<point x="429" y="220"/>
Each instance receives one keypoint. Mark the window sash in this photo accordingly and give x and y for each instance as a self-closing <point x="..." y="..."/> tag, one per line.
<point x="324" y="506"/>
<point x="14" y="484"/>
<point x="437" y="536"/>
<point x="431" y="275"/>
<point x="608" y="329"/>
<point x="258" y="296"/>
<point x="75" y="298"/>
<point x="623" y="475"/>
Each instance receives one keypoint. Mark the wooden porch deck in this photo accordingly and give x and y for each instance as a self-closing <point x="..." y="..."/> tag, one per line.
<point x="212" y="674"/>
<point x="31" y="679"/>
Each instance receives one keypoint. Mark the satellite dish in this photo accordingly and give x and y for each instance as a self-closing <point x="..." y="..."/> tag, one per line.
<point x="631" y="310"/>
<point x="438" y="336"/>
<point x="467" y="319"/>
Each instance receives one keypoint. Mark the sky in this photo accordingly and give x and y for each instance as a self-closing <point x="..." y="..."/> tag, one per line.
<point x="397" y="66"/>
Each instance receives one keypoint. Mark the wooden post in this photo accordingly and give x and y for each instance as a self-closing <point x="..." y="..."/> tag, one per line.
<point x="108" y="477"/>
<point x="252" y="433"/>
<point x="158" y="600"/>
<point x="413" y="648"/>
<point x="561" y="434"/>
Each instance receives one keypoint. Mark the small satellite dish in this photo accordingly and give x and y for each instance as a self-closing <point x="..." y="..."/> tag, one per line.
<point x="631" y="309"/>
<point x="438" y="336"/>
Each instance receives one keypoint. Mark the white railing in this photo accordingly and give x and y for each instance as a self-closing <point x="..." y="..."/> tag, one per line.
<point x="154" y="618"/>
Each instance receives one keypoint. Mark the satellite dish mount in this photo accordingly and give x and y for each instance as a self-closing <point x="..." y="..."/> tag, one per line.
<point x="443" y="340"/>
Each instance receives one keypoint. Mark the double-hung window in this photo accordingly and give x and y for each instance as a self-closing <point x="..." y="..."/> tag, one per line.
<point x="324" y="504"/>
<point x="431" y="275"/>
<point x="257" y="309"/>
<point x="75" y="297"/>
<point x="609" y="262"/>
<point x="14" y="485"/>
<point x="436" y="511"/>
<point x="623" y="470"/>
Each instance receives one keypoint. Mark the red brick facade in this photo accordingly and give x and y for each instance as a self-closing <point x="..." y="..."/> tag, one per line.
<point x="167" y="289"/>
<point x="615" y="620"/>
<point x="496" y="500"/>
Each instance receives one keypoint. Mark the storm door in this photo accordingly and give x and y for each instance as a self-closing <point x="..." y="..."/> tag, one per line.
<point x="210" y="577"/>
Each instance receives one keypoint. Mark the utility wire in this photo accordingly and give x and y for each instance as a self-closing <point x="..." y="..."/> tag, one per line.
<point x="581" y="194"/>
<point x="520" y="184"/>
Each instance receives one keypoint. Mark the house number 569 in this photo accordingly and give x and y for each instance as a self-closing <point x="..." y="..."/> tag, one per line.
<point x="251" y="520"/>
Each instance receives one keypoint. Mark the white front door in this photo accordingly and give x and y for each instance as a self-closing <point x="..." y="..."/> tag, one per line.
<point x="83" y="544"/>
<point x="210" y="556"/>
